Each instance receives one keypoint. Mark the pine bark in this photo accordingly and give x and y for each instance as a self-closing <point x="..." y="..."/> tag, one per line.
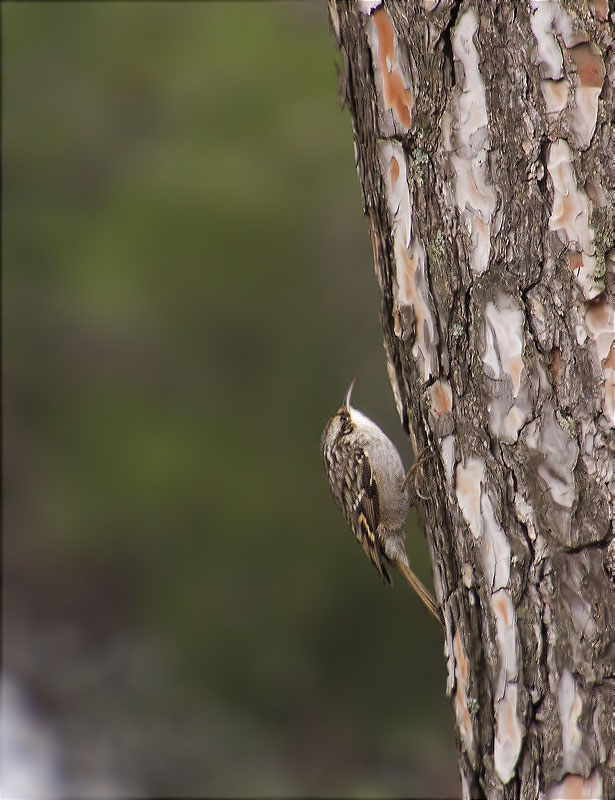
<point x="485" y="148"/>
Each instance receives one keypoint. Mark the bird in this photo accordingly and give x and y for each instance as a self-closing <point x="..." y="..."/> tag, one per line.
<point x="369" y="484"/>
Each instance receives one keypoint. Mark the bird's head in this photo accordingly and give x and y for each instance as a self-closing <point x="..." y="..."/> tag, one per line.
<point x="341" y="424"/>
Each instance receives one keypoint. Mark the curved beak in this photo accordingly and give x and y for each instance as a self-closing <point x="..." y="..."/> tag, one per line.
<point x="348" y="393"/>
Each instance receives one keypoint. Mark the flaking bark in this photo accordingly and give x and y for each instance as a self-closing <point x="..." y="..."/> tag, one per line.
<point x="485" y="149"/>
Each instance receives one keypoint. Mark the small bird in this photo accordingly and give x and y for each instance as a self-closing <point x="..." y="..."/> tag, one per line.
<point x="368" y="482"/>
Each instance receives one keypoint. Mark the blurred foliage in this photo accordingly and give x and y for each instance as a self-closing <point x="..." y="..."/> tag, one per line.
<point x="188" y="291"/>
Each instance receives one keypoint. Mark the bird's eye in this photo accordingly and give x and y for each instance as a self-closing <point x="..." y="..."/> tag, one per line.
<point x="345" y="426"/>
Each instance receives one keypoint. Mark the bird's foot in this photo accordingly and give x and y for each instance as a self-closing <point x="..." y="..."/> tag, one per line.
<point x="416" y="470"/>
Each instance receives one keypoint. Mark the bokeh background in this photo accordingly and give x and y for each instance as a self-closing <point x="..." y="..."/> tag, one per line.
<point x="187" y="292"/>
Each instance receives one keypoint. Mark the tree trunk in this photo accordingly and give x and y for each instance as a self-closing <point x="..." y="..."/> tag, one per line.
<point x="485" y="148"/>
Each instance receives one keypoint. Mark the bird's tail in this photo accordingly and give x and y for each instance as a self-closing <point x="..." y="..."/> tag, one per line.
<point x="424" y="594"/>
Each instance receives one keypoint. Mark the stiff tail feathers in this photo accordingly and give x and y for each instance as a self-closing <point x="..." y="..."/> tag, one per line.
<point x="423" y="593"/>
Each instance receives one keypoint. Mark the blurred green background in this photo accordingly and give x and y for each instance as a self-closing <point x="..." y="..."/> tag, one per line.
<point x="187" y="291"/>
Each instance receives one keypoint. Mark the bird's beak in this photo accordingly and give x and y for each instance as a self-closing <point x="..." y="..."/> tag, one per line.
<point x="348" y="393"/>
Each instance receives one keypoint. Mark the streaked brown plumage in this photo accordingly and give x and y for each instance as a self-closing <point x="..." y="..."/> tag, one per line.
<point x="367" y="479"/>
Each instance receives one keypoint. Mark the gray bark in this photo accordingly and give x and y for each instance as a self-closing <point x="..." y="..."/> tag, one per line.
<point x="485" y="147"/>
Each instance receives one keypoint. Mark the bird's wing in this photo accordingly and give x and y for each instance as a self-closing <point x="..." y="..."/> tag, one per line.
<point x="365" y="515"/>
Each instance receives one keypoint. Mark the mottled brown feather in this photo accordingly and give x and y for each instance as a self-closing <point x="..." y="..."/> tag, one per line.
<point x="361" y="509"/>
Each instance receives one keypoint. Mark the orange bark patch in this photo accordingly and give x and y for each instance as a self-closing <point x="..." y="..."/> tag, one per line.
<point x="410" y="266"/>
<point x="507" y="718"/>
<point x="461" y="704"/>
<point x="514" y="367"/>
<point x="394" y="166"/>
<point x="441" y="397"/>
<point x="599" y="9"/>
<point x="468" y="493"/>
<point x="460" y="659"/>
<point x="589" y="63"/>
<point x="396" y="96"/>
<point x="598" y="313"/>
<point x="386" y="38"/>
<point x="576" y="787"/>
<point x="575" y="261"/>
<point x="463" y="716"/>
<point x="500" y="606"/>
<point x="573" y="787"/>
<point x="555" y="94"/>
<point x="442" y="400"/>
